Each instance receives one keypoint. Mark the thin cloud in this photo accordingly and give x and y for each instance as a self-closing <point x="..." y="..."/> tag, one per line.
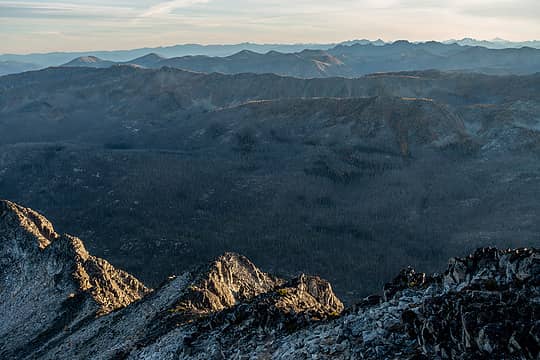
<point x="64" y="8"/>
<point x="167" y="7"/>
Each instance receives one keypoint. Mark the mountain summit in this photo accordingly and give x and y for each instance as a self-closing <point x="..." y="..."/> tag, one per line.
<point x="89" y="61"/>
<point x="148" y="61"/>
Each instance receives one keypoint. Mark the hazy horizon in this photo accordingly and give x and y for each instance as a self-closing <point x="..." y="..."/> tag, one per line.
<point x="150" y="47"/>
<point x="91" y="25"/>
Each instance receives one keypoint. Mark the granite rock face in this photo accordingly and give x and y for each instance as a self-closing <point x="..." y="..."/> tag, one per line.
<point x="59" y="302"/>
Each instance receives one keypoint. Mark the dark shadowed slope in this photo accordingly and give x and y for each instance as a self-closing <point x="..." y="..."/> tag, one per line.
<point x="334" y="176"/>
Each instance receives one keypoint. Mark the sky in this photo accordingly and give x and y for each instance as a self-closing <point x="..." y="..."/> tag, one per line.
<point x="61" y="25"/>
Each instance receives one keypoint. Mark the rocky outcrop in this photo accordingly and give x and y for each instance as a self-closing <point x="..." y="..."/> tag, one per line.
<point x="485" y="306"/>
<point x="233" y="279"/>
<point x="16" y="218"/>
<point x="49" y="282"/>
<point x="229" y="280"/>
<point x="30" y="236"/>
<point x="111" y="288"/>
<point x="309" y="295"/>
<point x="491" y="308"/>
<point x="59" y="297"/>
<point x="59" y="302"/>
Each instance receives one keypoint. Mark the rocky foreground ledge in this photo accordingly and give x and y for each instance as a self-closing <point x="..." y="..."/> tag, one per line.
<point x="59" y="302"/>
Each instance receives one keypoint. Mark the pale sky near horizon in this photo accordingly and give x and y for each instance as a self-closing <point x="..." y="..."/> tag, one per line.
<point x="62" y="25"/>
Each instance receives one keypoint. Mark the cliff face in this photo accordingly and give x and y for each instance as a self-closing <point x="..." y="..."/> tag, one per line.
<point x="59" y="302"/>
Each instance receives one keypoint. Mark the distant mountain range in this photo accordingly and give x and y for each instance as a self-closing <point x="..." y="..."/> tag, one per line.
<point x="15" y="63"/>
<point x="349" y="61"/>
<point x="58" y="58"/>
<point x="495" y="43"/>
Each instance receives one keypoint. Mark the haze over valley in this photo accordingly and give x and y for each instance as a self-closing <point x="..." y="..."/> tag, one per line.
<point x="297" y="174"/>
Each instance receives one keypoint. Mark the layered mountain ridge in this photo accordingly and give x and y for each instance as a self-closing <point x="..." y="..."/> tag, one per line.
<point x="64" y="303"/>
<point x="350" y="60"/>
<point x="293" y="173"/>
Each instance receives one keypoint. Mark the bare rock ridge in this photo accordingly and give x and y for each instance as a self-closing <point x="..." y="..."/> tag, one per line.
<point x="49" y="281"/>
<point x="59" y="302"/>
<point x="484" y="306"/>
<point x="493" y="307"/>
<point x="34" y="223"/>
<point x="233" y="279"/>
<point x="63" y="287"/>
<point x="110" y="288"/>
<point x="312" y="291"/>
<point x="229" y="280"/>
